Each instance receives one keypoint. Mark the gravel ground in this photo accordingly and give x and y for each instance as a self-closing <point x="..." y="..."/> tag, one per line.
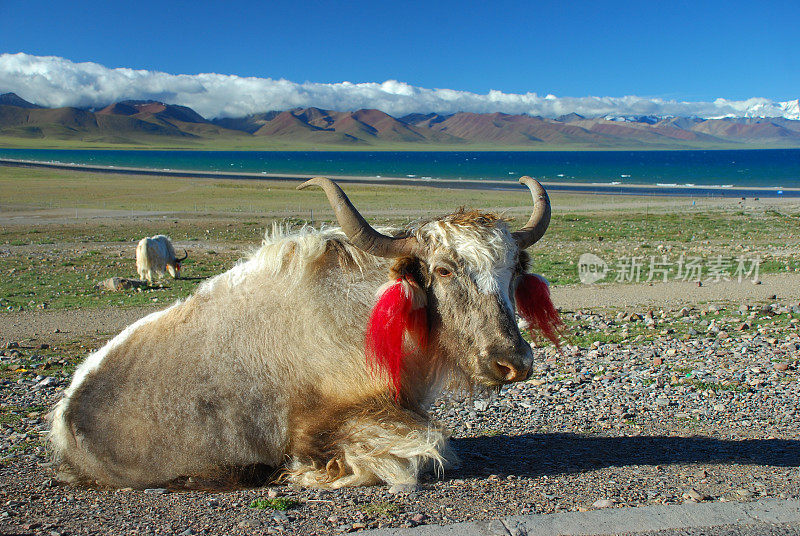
<point x="692" y="404"/>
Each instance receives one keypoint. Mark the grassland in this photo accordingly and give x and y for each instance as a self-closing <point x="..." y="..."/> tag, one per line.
<point x="62" y="231"/>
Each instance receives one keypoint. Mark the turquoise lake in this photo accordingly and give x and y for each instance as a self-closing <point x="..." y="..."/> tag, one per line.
<point x="755" y="168"/>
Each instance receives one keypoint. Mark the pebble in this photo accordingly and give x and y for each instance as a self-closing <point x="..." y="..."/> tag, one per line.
<point x="47" y="382"/>
<point x="694" y="495"/>
<point x="481" y="405"/>
<point x="156" y="491"/>
<point x="603" y="503"/>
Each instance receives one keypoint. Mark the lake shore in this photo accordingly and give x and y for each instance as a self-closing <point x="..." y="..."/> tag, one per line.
<point x="670" y="190"/>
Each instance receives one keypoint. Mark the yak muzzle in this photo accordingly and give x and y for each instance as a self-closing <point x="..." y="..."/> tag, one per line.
<point x="509" y="372"/>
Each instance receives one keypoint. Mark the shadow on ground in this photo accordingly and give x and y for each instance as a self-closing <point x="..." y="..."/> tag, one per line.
<point x="547" y="454"/>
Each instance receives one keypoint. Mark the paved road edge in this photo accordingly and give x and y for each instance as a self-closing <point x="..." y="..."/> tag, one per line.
<point x="615" y="520"/>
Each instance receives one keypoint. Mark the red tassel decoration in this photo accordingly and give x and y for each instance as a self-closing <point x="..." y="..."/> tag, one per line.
<point x="392" y="317"/>
<point x="536" y="308"/>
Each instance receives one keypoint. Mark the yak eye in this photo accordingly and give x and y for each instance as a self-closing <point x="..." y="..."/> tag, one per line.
<point x="443" y="272"/>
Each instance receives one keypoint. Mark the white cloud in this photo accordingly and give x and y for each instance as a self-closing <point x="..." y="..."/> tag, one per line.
<point x="52" y="81"/>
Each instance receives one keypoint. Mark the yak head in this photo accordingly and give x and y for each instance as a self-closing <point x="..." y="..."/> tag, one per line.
<point x="454" y="290"/>
<point x="176" y="264"/>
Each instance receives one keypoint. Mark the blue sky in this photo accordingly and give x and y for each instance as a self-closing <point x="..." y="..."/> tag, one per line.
<point x="674" y="50"/>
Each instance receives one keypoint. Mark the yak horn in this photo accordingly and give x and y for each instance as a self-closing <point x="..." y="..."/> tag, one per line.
<point x="540" y="217"/>
<point x="185" y="255"/>
<point x="360" y="233"/>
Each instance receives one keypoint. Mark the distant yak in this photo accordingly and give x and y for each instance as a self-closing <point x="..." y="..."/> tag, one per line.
<point x="156" y="256"/>
<point x="320" y="355"/>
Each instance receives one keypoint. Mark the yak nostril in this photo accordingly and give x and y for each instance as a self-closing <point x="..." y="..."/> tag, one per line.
<point x="507" y="371"/>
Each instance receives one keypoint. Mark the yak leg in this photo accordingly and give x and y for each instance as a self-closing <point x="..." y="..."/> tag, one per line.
<point x="147" y="275"/>
<point x="368" y="449"/>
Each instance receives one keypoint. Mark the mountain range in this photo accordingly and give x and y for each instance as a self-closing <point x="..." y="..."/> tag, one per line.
<point x="152" y="123"/>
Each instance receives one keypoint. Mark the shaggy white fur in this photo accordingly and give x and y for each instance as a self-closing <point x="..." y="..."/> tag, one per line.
<point x="488" y="252"/>
<point x="378" y="453"/>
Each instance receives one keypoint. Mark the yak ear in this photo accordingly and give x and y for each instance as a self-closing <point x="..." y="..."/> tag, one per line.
<point x="536" y="308"/>
<point x="398" y="320"/>
<point x="409" y="268"/>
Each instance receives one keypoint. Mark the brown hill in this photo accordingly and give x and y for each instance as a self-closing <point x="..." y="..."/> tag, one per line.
<point x="318" y="117"/>
<point x="570" y="118"/>
<point x="249" y="123"/>
<point x="170" y="116"/>
<point x="788" y="124"/>
<point x="74" y="123"/>
<point x="287" y="125"/>
<point x="119" y="108"/>
<point x="12" y="99"/>
<point x="685" y="123"/>
<point x="367" y="124"/>
<point x="423" y="120"/>
<point x="153" y="111"/>
<point x="743" y="130"/>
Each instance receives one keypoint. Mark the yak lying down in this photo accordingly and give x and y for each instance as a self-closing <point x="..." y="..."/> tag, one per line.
<point x="318" y="355"/>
